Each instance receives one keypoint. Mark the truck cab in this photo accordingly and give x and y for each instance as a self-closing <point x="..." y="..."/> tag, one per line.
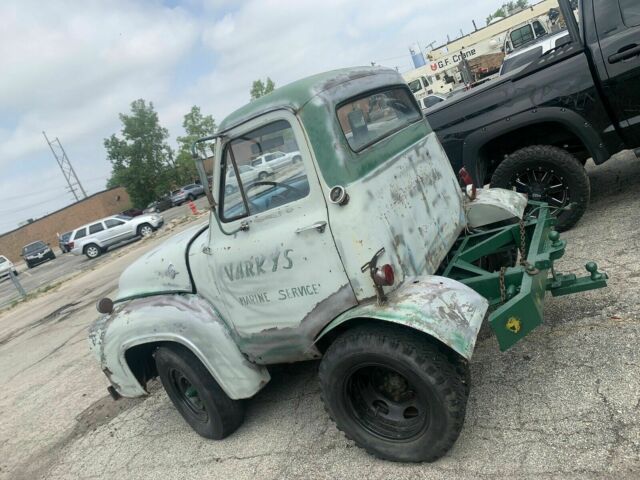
<point x="365" y="253"/>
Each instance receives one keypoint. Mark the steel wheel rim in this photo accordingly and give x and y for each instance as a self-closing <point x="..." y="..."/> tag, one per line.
<point x="188" y="395"/>
<point x="383" y="402"/>
<point x="543" y="184"/>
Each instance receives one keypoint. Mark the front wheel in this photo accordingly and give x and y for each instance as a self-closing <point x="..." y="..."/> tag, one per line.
<point x="145" y="230"/>
<point x="196" y="394"/>
<point x="393" y="393"/>
<point x="547" y="174"/>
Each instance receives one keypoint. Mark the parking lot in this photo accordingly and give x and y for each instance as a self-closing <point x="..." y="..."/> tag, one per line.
<point x="67" y="265"/>
<point x="564" y="403"/>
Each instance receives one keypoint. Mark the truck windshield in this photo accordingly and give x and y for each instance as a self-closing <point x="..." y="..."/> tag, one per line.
<point x="369" y="119"/>
<point x="415" y="86"/>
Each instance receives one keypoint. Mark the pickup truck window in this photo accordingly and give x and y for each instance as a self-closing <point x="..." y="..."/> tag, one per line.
<point x="630" y="12"/>
<point x="264" y="189"/>
<point x="539" y="29"/>
<point x="521" y="36"/>
<point x="369" y="119"/>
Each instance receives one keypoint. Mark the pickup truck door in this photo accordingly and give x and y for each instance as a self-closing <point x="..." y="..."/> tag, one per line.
<point x="618" y="29"/>
<point x="280" y="280"/>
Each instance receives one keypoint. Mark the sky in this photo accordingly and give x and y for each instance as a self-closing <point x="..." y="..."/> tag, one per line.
<point x="69" y="68"/>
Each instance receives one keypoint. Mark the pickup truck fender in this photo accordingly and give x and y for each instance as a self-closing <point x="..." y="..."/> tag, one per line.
<point x="188" y="320"/>
<point x="571" y="120"/>
<point x="440" y="307"/>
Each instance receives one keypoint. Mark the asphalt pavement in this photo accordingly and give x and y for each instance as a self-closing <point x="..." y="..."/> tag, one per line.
<point x="564" y="403"/>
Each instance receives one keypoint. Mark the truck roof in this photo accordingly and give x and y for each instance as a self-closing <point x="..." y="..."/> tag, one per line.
<point x="295" y="95"/>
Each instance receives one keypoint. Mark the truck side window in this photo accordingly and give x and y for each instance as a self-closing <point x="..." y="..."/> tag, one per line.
<point x="263" y="184"/>
<point x="95" y="228"/>
<point x="111" y="222"/>
<point x="521" y="36"/>
<point x="539" y="29"/>
<point x="369" y="119"/>
<point x="630" y="12"/>
<point x="80" y="234"/>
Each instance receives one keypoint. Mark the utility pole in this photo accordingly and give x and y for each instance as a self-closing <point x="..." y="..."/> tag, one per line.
<point x="65" y="165"/>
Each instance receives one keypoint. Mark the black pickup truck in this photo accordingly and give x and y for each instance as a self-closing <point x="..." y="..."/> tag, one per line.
<point x="534" y="128"/>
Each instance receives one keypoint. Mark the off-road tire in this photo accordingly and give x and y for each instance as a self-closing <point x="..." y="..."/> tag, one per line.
<point x="561" y="162"/>
<point x="223" y="415"/>
<point x="92" y="251"/>
<point x="425" y="366"/>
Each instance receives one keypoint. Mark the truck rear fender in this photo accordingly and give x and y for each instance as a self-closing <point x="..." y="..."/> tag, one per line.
<point x="442" y="308"/>
<point x="479" y="144"/>
<point x="184" y="319"/>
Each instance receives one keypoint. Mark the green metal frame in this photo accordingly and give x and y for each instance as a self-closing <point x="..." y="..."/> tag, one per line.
<point x="518" y="309"/>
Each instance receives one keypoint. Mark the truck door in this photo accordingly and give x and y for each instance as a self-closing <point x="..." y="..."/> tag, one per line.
<point x="618" y="29"/>
<point x="280" y="279"/>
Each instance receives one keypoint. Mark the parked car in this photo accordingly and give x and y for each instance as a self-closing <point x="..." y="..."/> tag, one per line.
<point x="63" y="242"/>
<point x="132" y="212"/>
<point x="370" y="258"/>
<point x="159" y="205"/>
<point x="248" y="174"/>
<point x="6" y="266"/>
<point x="95" y="238"/>
<point x="186" y="193"/>
<point x="36" y="253"/>
<point x="533" y="129"/>
<point x="276" y="160"/>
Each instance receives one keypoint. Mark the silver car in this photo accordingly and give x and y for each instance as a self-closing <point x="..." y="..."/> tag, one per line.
<point x="187" y="193"/>
<point x="95" y="238"/>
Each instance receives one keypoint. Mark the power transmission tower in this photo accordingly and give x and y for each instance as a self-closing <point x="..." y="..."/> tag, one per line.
<point x="65" y="165"/>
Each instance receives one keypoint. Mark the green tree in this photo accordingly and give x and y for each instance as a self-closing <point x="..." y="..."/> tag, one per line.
<point x="507" y="8"/>
<point x="195" y="126"/>
<point x="141" y="160"/>
<point x="260" y="88"/>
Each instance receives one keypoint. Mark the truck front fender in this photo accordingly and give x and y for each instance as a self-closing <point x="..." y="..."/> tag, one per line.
<point x="440" y="307"/>
<point x="188" y="320"/>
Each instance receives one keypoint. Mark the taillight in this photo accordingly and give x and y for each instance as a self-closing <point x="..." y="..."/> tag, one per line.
<point x="70" y="244"/>
<point x="384" y="275"/>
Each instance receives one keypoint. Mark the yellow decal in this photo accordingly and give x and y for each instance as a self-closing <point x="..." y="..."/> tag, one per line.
<point x="514" y="325"/>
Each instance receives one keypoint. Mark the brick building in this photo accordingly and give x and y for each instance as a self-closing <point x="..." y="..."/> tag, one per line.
<point x="98" y="205"/>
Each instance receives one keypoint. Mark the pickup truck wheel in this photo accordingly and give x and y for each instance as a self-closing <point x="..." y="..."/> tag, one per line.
<point x="92" y="251"/>
<point x="393" y="393"/>
<point x="145" y="230"/>
<point x="196" y="394"/>
<point x="548" y="174"/>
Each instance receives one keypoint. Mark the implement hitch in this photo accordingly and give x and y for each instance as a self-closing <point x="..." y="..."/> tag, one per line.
<point x="516" y="293"/>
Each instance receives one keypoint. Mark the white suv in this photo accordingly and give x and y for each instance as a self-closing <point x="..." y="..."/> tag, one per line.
<point x="6" y="266"/>
<point x="96" y="237"/>
<point x="276" y="159"/>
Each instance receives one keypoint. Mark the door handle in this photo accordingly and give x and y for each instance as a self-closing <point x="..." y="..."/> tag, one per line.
<point x="625" y="53"/>
<point x="319" y="226"/>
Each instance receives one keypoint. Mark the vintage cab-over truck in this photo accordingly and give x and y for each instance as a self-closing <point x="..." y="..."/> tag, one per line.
<point x="364" y="252"/>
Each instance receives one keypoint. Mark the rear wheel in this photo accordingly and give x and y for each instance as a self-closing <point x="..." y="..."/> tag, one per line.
<point x="196" y="394"/>
<point x="92" y="251"/>
<point x="547" y="174"/>
<point x="393" y="393"/>
<point x="262" y="175"/>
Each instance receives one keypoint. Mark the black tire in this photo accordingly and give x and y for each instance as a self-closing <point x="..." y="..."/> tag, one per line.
<point x="144" y="230"/>
<point x="92" y="251"/>
<point x="434" y="388"/>
<point x="212" y="414"/>
<point x="551" y="164"/>
<point x="29" y="266"/>
<point x="191" y="198"/>
<point x="15" y="273"/>
<point x="52" y="256"/>
<point x="262" y="175"/>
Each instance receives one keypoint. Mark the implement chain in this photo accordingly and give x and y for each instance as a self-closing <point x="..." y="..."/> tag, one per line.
<point x="503" y="288"/>
<point x="523" y="244"/>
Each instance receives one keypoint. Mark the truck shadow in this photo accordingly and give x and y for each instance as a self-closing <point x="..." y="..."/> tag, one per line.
<point x="617" y="176"/>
